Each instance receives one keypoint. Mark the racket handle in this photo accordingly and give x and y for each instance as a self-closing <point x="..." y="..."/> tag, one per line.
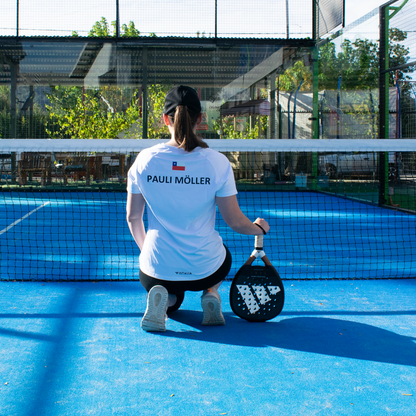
<point x="258" y="242"/>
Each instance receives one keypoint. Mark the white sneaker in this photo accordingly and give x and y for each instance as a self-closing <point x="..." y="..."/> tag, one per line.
<point x="211" y="306"/>
<point x="157" y="304"/>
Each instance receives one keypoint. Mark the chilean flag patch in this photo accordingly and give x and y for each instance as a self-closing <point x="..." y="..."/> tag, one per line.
<point x="176" y="167"/>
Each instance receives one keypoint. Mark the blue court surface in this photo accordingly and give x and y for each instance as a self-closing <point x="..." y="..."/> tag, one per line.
<point x="84" y="236"/>
<point x="338" y="348"/>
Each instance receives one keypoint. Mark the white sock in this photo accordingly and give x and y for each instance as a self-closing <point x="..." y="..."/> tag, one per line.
<point x="172" y="300"/>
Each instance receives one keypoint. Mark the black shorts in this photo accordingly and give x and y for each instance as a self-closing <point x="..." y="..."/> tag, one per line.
<point x="178" y="287"/>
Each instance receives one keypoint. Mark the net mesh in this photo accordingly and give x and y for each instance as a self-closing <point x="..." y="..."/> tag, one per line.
<point x="340" y="209"/>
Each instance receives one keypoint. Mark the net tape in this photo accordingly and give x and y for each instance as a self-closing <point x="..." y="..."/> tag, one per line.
<point x="257" y="145"/>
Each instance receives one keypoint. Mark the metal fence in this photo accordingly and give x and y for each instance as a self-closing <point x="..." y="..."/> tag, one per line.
<point x="212" y="18"/>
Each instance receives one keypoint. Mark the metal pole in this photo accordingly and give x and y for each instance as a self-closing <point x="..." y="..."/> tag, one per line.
<point x="384" y="105"/>
<point x="117" y="19"/>
<point x="145" y="95"/>
<point x="216" y="19"/>
<point x="17" y="18"/>
<point x="13" y="119"/>
<point x="315" y="92"/>
<point x="287" y="19"/>
<point x="314" y="23"/>
<point x="13" y="99"/>
<point x="30" y="132"/>
<point x="384" y="127"/>
<point x="339" y="107"/>
<point x="315" y="111"/>
<point x="271" y="132"/>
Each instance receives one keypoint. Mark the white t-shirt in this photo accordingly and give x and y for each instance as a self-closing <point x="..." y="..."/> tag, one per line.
<point x="180" y="189"/>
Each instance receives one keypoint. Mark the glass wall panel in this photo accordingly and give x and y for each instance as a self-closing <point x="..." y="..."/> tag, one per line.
<point x="93" y="88"/>
<point x="349" y="81"/>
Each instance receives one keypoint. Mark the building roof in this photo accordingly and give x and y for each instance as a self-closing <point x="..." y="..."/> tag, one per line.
<point x="92" y="62"/>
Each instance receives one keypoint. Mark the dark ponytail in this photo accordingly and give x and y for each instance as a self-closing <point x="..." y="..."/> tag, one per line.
<point x="183" y="125"/>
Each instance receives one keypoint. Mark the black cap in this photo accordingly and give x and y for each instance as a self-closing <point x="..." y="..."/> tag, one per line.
<point x="182" y="95"/>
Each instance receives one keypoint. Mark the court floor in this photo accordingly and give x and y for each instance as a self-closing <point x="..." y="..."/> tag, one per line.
<point x="338" y="348"/>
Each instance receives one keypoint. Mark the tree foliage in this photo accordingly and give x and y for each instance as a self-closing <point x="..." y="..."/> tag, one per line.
<point x="230" y="128"/>
<point x="157" y="128"/>
<point x="99" y="113"/>
<point x="293" y="76"/>
<point x="358" y="62"/>
<point x="226" y="127"/>
<point x="101" y="28"/>
<point x="78" y="113"/>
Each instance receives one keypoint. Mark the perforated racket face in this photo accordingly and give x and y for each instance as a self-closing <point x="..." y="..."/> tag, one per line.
<point x="257" y="293"/>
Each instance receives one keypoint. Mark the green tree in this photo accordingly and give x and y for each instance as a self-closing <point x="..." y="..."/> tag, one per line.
<point x="226" y="126"/>
<point x="102" y="112"/>
<point x="101" y="28"/>
<point x="293" y="76"/>
<point x="358" y="62"/>
<point x="129" y="31"/>
<point x="157" y="128"/>
<point x="76" y="113"/>
<point x="95" y="113"/>
<point x="29" y="123"/>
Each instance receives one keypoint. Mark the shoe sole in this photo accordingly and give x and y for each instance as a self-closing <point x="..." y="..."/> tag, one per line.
<point x="154" y="318"/>
<point x="211" y="307"/>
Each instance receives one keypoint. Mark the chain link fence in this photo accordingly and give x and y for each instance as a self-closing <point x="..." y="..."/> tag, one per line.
<point x="212" y="18"/>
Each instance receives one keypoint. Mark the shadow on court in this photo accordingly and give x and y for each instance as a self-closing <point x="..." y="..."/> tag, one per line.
<point x="65" y="346"/>
<point x="320" y="335"/>
<point x="328" y="336"/>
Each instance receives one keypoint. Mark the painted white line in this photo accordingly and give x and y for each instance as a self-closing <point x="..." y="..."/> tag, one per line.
<point x="21" y="219"/>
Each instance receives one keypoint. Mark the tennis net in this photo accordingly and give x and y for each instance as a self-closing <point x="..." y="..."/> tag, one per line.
<point x="338" y="209"/>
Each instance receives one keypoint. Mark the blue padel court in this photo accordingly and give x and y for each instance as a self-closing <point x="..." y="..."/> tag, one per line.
<point x="84" y="236"/>
<point x="339" y="347"/>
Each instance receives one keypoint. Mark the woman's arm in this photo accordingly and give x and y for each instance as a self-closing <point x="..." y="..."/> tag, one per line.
<point x="135" y="210"/>
<point x="236" y="220"/>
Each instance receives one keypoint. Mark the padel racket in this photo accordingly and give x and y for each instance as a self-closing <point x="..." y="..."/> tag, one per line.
<point x="257" y="293"/>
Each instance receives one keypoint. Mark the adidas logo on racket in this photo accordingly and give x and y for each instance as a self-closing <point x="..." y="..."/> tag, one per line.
<point x="257" y="293"/>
